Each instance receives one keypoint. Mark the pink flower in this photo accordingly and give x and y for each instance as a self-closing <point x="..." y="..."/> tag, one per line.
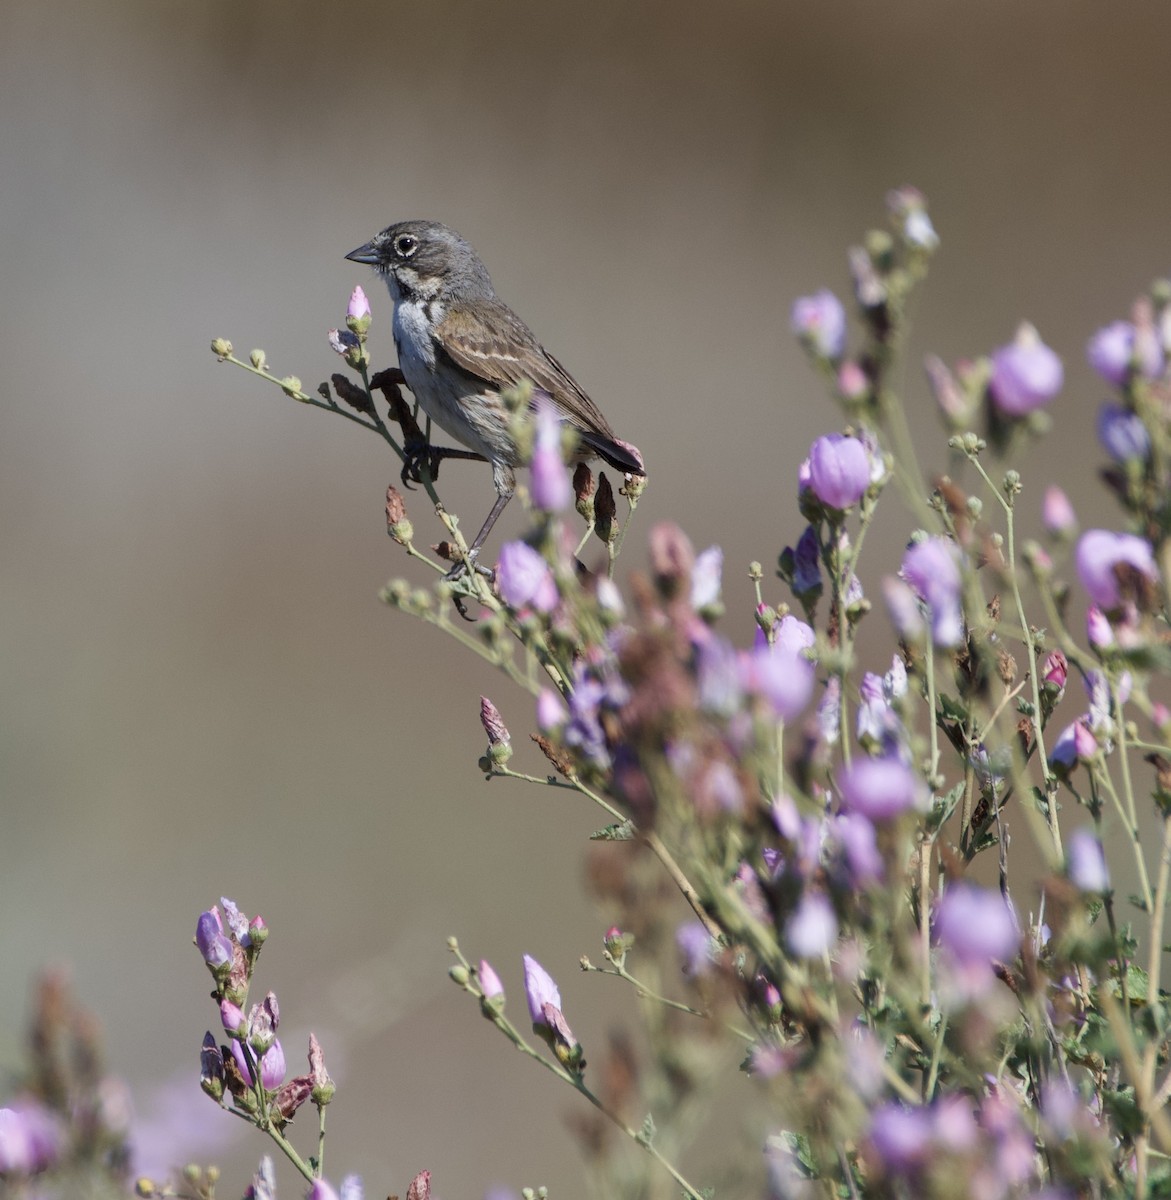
<point x="525" y="578"/>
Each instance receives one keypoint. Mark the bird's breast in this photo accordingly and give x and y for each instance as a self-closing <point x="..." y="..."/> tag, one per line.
<point x="413" y="340"/>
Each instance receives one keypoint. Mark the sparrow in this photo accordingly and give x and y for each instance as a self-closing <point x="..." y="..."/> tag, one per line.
<point x="459" y="345"/>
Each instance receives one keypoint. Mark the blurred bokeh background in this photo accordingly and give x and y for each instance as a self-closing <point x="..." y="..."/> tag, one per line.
<point x="201" y="693"/>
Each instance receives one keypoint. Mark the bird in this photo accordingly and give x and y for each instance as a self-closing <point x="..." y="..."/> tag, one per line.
<point x="459" y="346"/>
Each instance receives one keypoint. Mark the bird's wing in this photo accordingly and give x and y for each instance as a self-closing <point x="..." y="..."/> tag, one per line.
<point x="498" y="347"/>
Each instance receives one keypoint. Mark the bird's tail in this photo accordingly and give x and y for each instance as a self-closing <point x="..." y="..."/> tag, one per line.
<point x="622" y="456"/>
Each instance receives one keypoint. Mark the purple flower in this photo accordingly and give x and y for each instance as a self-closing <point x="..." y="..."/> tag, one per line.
<point x="552" y="491"/>
<point x="30" y="1138"/>
<point x="975" y="926"/>
<point x="1026" y="374"/>
<point x="900" y="1136"/>
<point x="717" y="676"/>
<point x="213" y="944"/>
<point x="342" y="341"/>
<point x="857" y="839"/>
<point x="237" y="921"/>
<point x="272" y="1064"/>
<point x="1122" y="434"/>
<point x="705" y="578"/>
<point x="232" y="1016"/>
<point x="781" y="673"/>
<point x="539" y="990"/>
<point x="876" y="719"/>
<point x="1086" y="863"/>
<point x="719" y="789"/>
<point x="550" y="710"/>
<point x="585" y="727"/>
<point x="909" y="208"/>
<point x="879" y="789"/>
<point x="490" y="983"/>
<point x="1057" y="513"/>
<point x="812" y="927"/>
<point x="696" y="948"/>
<point x="525" y="578"/>
<point x="839" y="470"/>
<point x="903" y="609"/>
<point x="819" y="321"/>
<point x="829" y="712"/>
<point x="931" y="567"/>
<point x="321" y="1190"/>
<point x="1112" y="353"/>
<point x="359" y="306"/>
<point x="806" y="564"/>
<point x="1098" y="629"/>
<point x="351" y="1188"/>
<point x="1100" y="553"/>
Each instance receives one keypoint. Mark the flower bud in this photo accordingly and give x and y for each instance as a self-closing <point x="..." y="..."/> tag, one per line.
<point x="853" y="382"/>
<point x="420" y="1188"/>
<point x="323" y="1085"/>
<point x="605" y="510"/>
<point x="819" y="321"/>
<point x="291" y="1096"/>
<point x="211" y="1068"/>
<point x="258" y="358"/>
<point x="291" y="386"/>
<point x="232" y="1015"/>
<point x="493" y="722"/>
<point x="1057" y="513"/>
<point x="221" y="348"/>
<point x="358" y="312"/>
<point x="1098" y="630"/>
<point x="397" y="525"/>
<point x="617" y="944"/>
<point x="583" y="492"/>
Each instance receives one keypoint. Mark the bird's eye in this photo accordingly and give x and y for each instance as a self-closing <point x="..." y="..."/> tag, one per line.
<point x="406" y="244"/>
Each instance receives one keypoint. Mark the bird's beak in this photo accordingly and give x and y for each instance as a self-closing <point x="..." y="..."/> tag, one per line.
<point x="367" y="254"/>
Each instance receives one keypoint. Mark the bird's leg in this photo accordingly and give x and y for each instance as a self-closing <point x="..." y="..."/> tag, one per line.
<point x="416" y="449"/>
<point x="469" y="562"/>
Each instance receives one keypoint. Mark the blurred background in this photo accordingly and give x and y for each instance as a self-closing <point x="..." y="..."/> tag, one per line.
<point x="201" y="693"/>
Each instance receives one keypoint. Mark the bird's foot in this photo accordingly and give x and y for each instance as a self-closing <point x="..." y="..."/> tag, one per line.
<point x="461" y="570"/>
<point x="417" y="453"/>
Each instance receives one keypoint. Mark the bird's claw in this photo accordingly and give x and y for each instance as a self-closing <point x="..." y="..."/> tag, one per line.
<point x="416" y="454"/>
<point x="459" y="571"/>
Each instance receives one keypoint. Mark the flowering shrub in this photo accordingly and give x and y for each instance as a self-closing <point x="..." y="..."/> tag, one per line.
<point x="808" y="867"/>
<point x="912" y="1022"/>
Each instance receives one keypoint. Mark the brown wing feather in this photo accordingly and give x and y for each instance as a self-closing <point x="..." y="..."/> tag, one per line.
<point x="498" y="347"/>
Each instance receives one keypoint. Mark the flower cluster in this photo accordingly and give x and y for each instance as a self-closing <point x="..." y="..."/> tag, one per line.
<point x="811" y="859"/>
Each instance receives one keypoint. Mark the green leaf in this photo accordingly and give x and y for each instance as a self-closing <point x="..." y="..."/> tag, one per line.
<point x="1137" y="984"/>
<point x="646" y="1134"/>
<point x="621" y="832"/>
